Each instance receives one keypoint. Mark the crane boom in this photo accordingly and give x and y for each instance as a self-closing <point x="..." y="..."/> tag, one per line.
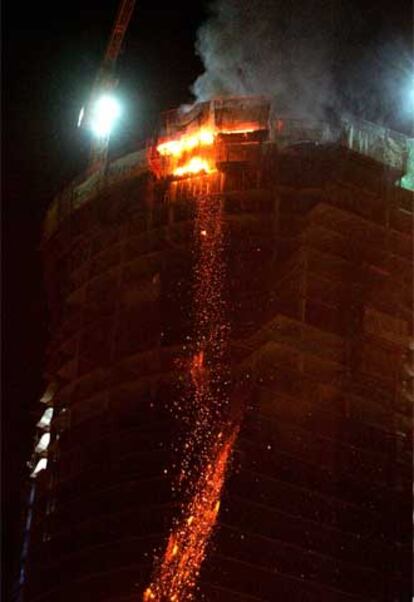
<point x="118" y="31"/>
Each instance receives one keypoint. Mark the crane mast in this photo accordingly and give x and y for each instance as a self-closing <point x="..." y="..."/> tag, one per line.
<point x="105" y="82"/>
<point x="118" y="31"/>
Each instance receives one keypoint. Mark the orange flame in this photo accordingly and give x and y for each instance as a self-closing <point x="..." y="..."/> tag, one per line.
<point x="187" y="143"/>
<point x="196" y="165"/>
<point x="199" y="142"/>
<point x="239" y="131"/>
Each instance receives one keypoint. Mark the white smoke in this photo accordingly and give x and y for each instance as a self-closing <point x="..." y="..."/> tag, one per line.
<point x="279" y="48"/>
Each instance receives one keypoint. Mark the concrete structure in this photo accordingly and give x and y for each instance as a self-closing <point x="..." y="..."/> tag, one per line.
<point x="319" y="286"/>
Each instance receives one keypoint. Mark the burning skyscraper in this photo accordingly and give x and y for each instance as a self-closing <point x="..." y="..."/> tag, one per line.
<point x="228" y="406"/>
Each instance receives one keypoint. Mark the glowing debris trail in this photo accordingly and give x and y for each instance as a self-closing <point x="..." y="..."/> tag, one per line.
<point x="211" y="434"/>
<point x="208" y="368"/>
<point x="186" y="548"/>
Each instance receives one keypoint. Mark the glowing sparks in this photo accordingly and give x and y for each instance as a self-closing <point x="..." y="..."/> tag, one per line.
<point x="149" y="594"/>
<point x="177" y="574"/>
<point x="211" y="433"/>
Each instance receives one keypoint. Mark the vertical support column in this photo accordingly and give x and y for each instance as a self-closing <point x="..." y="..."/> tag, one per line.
<point x="303" y="301"/>
<point x="303" y="287"/>
<point x="21" y="581"/>
<point x="276" y="222"/>
<point x="82" y="313"/>
<point x="123" y="233"/>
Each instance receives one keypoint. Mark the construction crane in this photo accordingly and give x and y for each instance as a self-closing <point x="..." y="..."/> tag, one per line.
<point x="103" y="109"/>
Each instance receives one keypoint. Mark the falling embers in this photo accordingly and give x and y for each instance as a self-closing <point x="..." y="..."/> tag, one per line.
<point x="211" y="431"/>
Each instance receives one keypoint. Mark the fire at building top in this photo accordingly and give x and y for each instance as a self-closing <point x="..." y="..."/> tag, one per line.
<point x="228" y="131"/>
<point x="217" y="131"/>
<point x="193" y="142"/>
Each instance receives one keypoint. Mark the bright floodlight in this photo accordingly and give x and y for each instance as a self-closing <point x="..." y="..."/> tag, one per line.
<point x="105" y="112"/>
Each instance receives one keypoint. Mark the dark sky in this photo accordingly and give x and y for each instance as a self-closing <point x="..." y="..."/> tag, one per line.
<point x="50" y="58"/>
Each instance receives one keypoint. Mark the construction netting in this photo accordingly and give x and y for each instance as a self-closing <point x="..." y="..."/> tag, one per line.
<point x="85" y="187"/>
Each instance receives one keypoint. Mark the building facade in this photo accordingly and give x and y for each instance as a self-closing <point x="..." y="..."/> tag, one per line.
<point x="317" y="253"/>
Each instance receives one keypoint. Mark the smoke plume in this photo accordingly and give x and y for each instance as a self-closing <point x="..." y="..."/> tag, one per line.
<point x="315" y="58"/>
<point x="278" y="48"/>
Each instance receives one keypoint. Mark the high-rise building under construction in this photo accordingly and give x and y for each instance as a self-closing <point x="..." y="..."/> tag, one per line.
<point x="289" y="242"/>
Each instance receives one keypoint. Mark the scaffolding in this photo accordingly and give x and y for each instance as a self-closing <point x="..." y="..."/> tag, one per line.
<point x="319" y="286"/>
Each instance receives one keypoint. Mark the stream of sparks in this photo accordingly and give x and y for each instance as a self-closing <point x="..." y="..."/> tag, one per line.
<point x="211" y="433"/>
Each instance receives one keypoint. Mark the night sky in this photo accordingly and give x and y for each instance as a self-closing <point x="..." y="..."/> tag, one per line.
<point x="50" y="58"/>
